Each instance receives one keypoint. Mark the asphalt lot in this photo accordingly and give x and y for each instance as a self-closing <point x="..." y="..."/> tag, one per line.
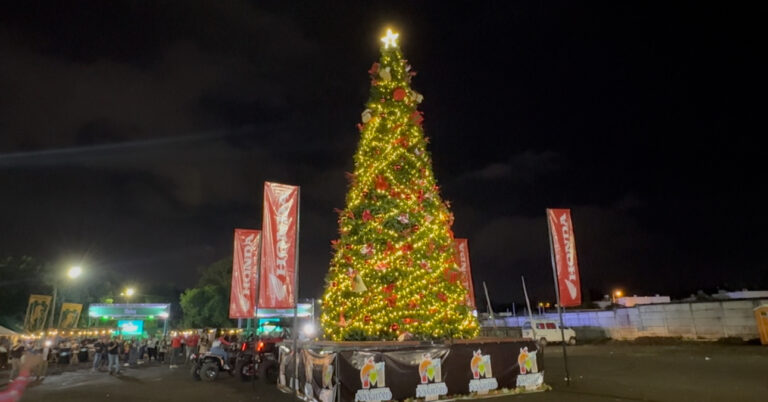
<point x="610" y="372"/>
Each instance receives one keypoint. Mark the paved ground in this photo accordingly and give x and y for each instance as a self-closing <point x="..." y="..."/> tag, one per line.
<point x="611" y="372"/>
<point x="625" y="372"/>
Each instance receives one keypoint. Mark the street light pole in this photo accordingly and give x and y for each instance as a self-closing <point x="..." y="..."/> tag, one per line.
<point x="72" y="273"/>
<point x="53" y="306"/>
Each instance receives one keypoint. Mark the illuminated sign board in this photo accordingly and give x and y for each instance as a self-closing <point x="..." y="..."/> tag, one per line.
<point x="305" y="310"/>
<point x="131" y="327"/>
<point x="137" y="310"/>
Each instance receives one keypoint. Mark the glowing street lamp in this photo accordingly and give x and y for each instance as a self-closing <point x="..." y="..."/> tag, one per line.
<point x="616" y="295"/>
<point x="74" y="272"/>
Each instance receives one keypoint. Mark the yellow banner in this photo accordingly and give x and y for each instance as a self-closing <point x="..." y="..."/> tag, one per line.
<point x="37" y="312"/>
<point x="69" y="315"/>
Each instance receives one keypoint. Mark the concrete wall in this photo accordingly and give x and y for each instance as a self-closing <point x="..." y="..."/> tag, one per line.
<point x="697" y="320"/>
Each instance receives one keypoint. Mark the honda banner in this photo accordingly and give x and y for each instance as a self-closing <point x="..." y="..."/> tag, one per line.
<point x="564" y="250"/>
<point x="245" y="274"/>
<point x="462" y="256"/>
<point x="279" y="248"/>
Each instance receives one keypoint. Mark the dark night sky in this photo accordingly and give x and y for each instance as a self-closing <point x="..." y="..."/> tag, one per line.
<point x="137" y="135"/>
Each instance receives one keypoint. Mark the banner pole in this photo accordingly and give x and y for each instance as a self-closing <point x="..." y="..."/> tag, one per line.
<point x="296" y="296"/>
<point x="258" y="284"/>
<point x="26" y="316"/>
<point x="490" y="309"/>
<point x="528" y="303"/>
<point x="53" y="307"/>
<point x="557" y="296"/>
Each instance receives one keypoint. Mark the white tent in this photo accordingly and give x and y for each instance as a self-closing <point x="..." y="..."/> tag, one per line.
<point x="7" y="332"/>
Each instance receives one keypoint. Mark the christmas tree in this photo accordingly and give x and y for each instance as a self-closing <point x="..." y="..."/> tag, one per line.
<point x="394" y="269"/>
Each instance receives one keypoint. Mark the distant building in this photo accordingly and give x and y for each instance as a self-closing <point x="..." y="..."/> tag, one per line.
<point x="630" y="301"/>
<point x="740" y="294"/>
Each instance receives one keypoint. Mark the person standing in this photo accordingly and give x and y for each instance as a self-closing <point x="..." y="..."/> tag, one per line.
<point x="113" y="353"/>
<point x="42" y="367"/>
<point x="17" y="351"/>
<point x="98" y="349"/>
<point x="204" y="345"/>
<point x="151" y="349"/>
<point x="162" y="349"/>
<point x="3" y="354"/>
<point x="175" y="350"/>
<point x="192" y="344"/>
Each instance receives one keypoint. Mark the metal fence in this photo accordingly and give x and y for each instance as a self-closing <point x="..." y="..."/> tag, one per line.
<point x="695" y="320"/>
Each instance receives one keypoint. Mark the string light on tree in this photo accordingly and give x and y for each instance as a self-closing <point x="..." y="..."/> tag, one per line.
<point x="394" y="270"/>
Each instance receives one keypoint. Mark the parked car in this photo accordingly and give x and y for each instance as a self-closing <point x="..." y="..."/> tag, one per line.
<point x="548" y="331"/>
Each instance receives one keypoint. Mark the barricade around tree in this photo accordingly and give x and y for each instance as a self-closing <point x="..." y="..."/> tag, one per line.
<point x="374" y="371"/>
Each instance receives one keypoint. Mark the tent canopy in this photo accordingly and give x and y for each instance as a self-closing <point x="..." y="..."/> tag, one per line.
<point x="7" y="332"/>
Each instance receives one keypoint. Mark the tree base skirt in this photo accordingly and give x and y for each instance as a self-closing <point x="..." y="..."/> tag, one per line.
<point x="386" y="370"/>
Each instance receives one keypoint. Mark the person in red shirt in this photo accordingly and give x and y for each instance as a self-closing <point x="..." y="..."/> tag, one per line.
<point x="175" y="349"/>
<point x="192" y="343"/>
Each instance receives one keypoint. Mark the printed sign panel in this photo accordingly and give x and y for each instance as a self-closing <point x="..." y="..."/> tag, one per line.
<point x="69" y="315"/>
<point x="37" y="312"/>
<point x="462" y="256"/>
<point x="566" y="263"/>
<point x="245" y="273"/>
<point x="278" y="253"/>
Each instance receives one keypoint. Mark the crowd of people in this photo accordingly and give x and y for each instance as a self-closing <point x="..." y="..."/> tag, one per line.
<point x="28" y="358"/>
<point x="110" y="353"/>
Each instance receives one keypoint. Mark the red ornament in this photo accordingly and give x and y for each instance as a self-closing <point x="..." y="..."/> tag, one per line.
<point x="442" y="297"/>
<point x="360" y="127"/>
<point x="367" y="215"/>
<point x="417" y="117"/>
<point x="382" y="266"/>
<point x="367" y="319"/>
<point x="394" y="327"/>
<point x="408" y="320"/>
<point x="381" y="183"/>
<point x="406" y="248"/>
<point x="402" y="141"/>
<point x="412" y="304"/>
<point x="390" y="247"/>
<point x="374" y="69"/>
<point x="334" y="284"/>
<point x="398" y="167"/>
<point x="398" y="94"/>
<point x="388" y="288"/>
<point x="335" y="244"/>
<point x="391" y="300"/>
<point x="421" y="196"/>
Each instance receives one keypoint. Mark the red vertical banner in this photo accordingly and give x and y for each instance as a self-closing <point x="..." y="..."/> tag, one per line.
<point x="278" y="250"/>
<point x="565" y="261"/>
<point x="462" y="257"/>
<point x="245" y="274"/>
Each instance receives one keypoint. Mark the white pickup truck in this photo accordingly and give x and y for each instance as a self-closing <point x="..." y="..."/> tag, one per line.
<point x="548" y="331"/>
